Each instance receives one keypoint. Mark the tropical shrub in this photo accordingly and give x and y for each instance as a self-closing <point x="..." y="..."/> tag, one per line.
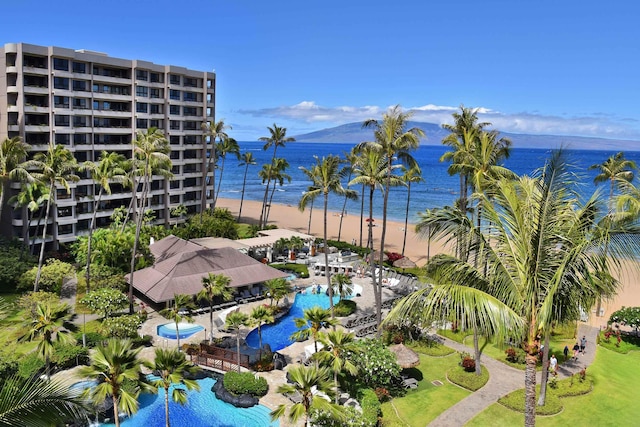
<point x="125" y="326"/>
<point x="220" y="223"/>
<point x="352" y="418"/>
<point x="29" y="301"/>
<point x="467" y="362"/>
<point x="104" y="276"/>
<point x="14" y="262"/>
<point x="377" y="366"/>
<point x="468" y="379"/>
<point x="8" y="364"/>
<point x="370" y="406"/>
<point x="300" y="270"/>
<point x="30" y="365"/>
<point x="245" y="383"/>
<point x="345" y="308"/>
<point x="91" y="338"/>
<point x="54" y="273"/>
<point x="627" y="316"/>
<point x="105" y="301"/>
<point x="68" y="356"/>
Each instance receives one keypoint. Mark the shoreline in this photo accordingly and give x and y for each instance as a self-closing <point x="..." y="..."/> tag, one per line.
<point x="417" y="249"/>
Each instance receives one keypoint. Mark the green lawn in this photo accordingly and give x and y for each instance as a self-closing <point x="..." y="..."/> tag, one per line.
<point x="431" y="400"/>
<point x="611" y="403"/>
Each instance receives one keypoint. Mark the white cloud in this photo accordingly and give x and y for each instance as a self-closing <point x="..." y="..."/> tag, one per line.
<point x="308" y="115"/>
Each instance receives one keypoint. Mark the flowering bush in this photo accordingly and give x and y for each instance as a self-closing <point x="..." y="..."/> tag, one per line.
<point x="627" y="316"/>
<point x="393" y="256"/>
<point x="382" y="394"/>
<point x="122" y="327"/>
<point x="105" y="301"/>
<point x="467" y="362"/>
<point x="377" y="366"/>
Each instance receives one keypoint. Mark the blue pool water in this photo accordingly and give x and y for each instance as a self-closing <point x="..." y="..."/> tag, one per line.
<point x="277" y="334"/>
<point x="202" y="409"/>
<point x="168" y="330"/>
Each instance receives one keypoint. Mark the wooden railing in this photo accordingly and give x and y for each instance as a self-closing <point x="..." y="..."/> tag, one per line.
<point x="223" y="359"/>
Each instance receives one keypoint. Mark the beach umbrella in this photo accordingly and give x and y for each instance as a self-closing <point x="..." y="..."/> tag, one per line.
<point x="403" y="263"/>
<point x="406" y="357"/>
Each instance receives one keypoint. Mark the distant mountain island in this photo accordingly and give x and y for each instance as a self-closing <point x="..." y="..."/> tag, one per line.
<point x="354" y="133"/>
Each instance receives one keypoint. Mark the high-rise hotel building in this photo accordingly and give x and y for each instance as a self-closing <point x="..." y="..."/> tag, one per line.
<point x="90" y="102"/>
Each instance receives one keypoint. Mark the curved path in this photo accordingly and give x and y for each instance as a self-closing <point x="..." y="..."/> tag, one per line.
<point x="504" y="379"/>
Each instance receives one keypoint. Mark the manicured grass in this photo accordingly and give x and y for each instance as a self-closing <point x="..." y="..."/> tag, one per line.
<point x="453" y="336"/>
<point x="422" y="405"/>
<point x="468" y="380"/>
<point x="613" y="401"/>
<point x="244" y="231"/>
<point x="432" y="349"/>
<point x="627" y="343"/>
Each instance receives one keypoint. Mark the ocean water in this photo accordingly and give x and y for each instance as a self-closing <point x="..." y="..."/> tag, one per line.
<point x="439" y="189"/>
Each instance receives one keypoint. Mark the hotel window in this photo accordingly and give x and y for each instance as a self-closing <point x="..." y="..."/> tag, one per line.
<point x="61" y="83"/>
<point x="142" y="123"/>
<point x="79" y="67"/>
<point x="190" y="82"/>
<point x="80" y="103"/>
<point x="79" y="121"/>
<point x="155" y="93"/>
<point x="142" y="91"/>
<point x="174" y="110"/>
<point x="155" y="78"/>
<point x="62" y="139"/>
<point x="190" y="96"/>
<point x="61" y="101"/>
<point x="156" y="124"/>
<point x="80" y="138"/>
<point x="190" y="111"/>
<point x="61" y="121"/>
<point x="174" y="140"/>
<point x="60" y="64"/>
<point x="141" y="75"/>
<point x="209" y="98"/>
<point x="156" y="109"/>
<point x="174" y="95"/>
<point x="174" y="125"/>
<point x="174" y="79"/>
<point x="142" y="107"/>
<point x="209" y="83"/>
<point x="80" y="85"/>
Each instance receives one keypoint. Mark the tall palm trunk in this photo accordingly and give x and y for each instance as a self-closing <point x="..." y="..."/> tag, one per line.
<point x="530" y="390"/>
<point x="406" y="217"/>
<point x="326" y="259"/>
<point x="214" y="196"/>
<point x="476" y="349"/>
<point x="244" y="185"/>
<point x="268" y="208"/>
<point x="263" y="222"/>
<point x="166" y="406"/>
<point x="310" y="212"/>
<point x="238" y="347"/>
<point x="139" y="219"/>
<point x="52" y="188"/>
<point x="215" y="199"/>
<point x="377" y="284"/>
<point x="91" y="227"/>
<point x="385" y="203"/>
<point x="361" y="213"/>
<point x="116" y="417"/>
<point x="544" y="377"/>
<point x="344" y="206"/>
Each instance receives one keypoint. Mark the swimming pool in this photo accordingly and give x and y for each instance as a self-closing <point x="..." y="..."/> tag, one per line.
<point x="277" y="334"/>
<point x="168" y="330"/>
<point x="203" y="409"/>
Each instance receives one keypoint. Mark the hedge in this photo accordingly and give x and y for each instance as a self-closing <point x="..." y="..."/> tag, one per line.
<point x="245" y="383"/>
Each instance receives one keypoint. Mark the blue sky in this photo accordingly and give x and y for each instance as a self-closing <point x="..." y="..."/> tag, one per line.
<point x="545" y="67"/>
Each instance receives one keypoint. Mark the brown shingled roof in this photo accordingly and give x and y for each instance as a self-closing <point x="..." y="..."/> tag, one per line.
<point x="181" y="265"/>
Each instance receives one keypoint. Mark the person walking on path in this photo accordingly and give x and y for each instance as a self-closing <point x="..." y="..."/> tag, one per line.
<point x="576" y="349"/>
<point x="553" y="365"/>
<point x="566" y="352"/>
<point x="583" y="344"/>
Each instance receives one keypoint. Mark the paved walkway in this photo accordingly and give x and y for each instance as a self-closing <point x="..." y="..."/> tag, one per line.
<point x="504" y="379"/>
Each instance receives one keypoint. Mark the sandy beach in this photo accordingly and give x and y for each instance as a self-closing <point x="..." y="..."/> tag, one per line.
<point x="417" y="249"/>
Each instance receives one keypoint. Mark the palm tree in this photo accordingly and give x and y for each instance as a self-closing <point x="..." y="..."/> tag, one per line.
<point x="108" y="169"/>
<point x="46" y="327"/>
<point x="151" y="151"/>
<point x="224" y="147"/>
<point x="278" y="176"/>
<point x="337" y="345"/>
<point x="277" y="289"/>
<point x="235" y="321"/>
<point x="325" y="176"/>
<point x="179" y="311"/>
<point x="57" y="165"/>
<point x="23" y="401"/>
<point x="351" y="160"/>
<point x="261" y="314"/>
<point x="33" y="195"/>
<point x="307" y="382"/>
<point x="212" y="132"/>
<point x="12" y="152"/>
<point x="371" y="171"/>
<point x="247" y="159"/>
<point x="213" y="286"/>
<point x="544" y="262"/>
<point x="117" y="370"/>
<point x="342" y="284"/>
<point x="277" y="138"/>
<point x="464" y="121"/>
<point x="409" y="176"/>
<point x="171" y="366"/>
<point x="295" y="244"/>
<point x="313" y="321"/>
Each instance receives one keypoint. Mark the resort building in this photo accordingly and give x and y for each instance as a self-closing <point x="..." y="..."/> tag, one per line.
<point x="90" y="102"/>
